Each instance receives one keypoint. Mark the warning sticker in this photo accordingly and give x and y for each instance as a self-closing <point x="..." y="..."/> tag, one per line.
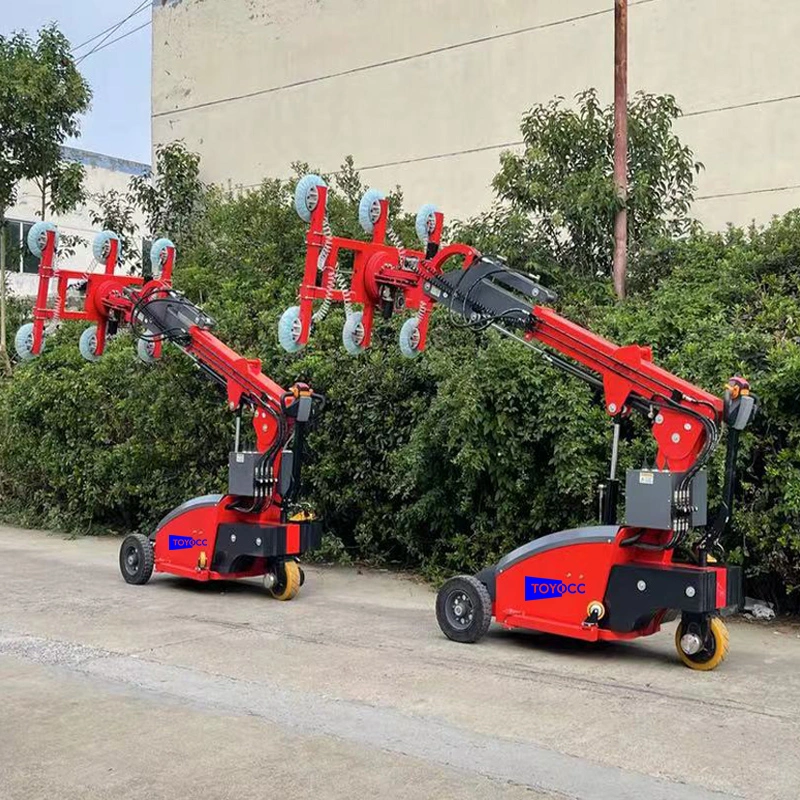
<point x="646" y="477"/>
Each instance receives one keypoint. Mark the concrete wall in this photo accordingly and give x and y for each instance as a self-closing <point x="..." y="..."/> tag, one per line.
<point x="427" y="94"/>
<point x="103" y="173"/>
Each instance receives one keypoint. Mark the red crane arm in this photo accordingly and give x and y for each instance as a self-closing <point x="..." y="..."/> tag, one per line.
<point x="685" y="419"/>
<point x="246" y="383"/>
<point x="166" y="314"/>
<point x="628" y="371"/>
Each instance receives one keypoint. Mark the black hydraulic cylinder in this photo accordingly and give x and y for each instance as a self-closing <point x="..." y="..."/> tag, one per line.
<point x="489" y="290"/>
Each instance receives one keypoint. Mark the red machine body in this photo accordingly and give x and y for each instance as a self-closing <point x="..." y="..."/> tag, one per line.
<point x="193" y="530"/>
<point x="584" y="568"/>
<point x="601" y="582"/>
<point x="253" y="530"/>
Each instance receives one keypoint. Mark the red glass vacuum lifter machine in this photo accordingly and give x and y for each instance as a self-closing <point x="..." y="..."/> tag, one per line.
<point x="609" y="581"/>
<point x="253" y="530"/>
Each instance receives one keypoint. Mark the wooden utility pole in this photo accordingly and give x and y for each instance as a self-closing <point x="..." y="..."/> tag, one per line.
<point x="5" y="362"/>
<point x="621" y="144"/>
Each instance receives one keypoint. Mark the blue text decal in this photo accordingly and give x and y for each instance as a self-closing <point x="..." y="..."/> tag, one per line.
<point x="546" y="588"/>
<point x="186" y="542"/>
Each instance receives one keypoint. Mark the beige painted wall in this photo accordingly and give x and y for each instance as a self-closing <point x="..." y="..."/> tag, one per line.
<point x="426" y="93"/>
<point x="103" y="173"/>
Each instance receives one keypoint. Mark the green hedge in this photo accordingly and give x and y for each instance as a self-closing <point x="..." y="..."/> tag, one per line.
<point x="444" y="462"/>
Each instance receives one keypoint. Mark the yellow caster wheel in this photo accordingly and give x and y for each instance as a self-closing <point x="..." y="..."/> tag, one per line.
<point x="698" y="653"/>
<point x="288" y="581"/>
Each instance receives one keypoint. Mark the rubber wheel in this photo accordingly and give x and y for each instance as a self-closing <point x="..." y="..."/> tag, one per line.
<point x="87" y="344"/>
<point x="369" y="210"/>
<point x="145" y="351"/>
<point x="353" y="333"/>
<point x="37" y="237"/>
<point x="409" y="338"/>
<point x="158" y="255"/>
<point x="23" y="342"/>
<point x="101" y="244"/>
<point x="424" y="222"/>
<point x="306" y="196"/>
<point x="136" y="559"/>
<point x="288" y="581"/>
<point x="289" y="330"/>
<point x="464" y="609"/>
<point x="714" y="651"/>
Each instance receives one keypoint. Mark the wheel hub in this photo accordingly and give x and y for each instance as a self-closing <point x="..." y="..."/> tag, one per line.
<point x="132" y="560"/>
<point x="297" y="329"/>
<point x="460" y="610"/>
<point x="691" y="644"/>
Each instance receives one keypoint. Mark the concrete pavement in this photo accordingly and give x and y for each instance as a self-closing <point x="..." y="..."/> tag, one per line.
<point x="166" y="690"/>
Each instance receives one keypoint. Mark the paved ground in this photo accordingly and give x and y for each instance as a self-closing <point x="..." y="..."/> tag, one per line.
<point x="177" y="690"/>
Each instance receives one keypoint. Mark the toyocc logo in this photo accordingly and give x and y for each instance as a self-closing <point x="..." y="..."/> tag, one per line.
<point x="186" y="542"/>
<point x="547" y="588"/>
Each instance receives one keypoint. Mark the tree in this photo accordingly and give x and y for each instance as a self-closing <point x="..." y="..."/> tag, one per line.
<point x="61" y="189"/>
<point x="563" y="179"/>
<point x="42" y="95"/>
<point x="171" y="196"/>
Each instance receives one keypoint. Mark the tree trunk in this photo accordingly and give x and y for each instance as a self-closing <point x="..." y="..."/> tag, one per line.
<point x="5" y="362"/>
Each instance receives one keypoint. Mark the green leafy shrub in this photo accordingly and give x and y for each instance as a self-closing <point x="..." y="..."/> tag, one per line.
<point x="450" y="460"/>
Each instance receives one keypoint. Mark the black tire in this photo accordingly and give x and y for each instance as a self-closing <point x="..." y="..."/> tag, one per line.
<point x="464" y="609"/>
<point x="136" y="559"/>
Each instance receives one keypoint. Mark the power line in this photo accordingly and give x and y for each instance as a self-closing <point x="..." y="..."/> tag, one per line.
<point x="484" y="148"/>
<point x="769" y="190"/>
<point x="436" y="156"/>
<point x="520" y="143"/>
<point x="114" y="29"/>
<point x="119" y="38"/>
<point x="749" y="104"/>
<point x="399" y="59"/>
<point x="110" y="28"/>
<point x="698" y="198"/>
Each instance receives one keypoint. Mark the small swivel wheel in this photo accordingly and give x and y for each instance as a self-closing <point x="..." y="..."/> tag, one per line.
<point x="702" y="644"/>
<point x="464" y="609"/>
<point x="288" y="580"/>
<point x="136" y="559"/>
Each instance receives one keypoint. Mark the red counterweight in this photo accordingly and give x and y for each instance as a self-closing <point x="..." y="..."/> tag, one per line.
<point x="256" y="527"/>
